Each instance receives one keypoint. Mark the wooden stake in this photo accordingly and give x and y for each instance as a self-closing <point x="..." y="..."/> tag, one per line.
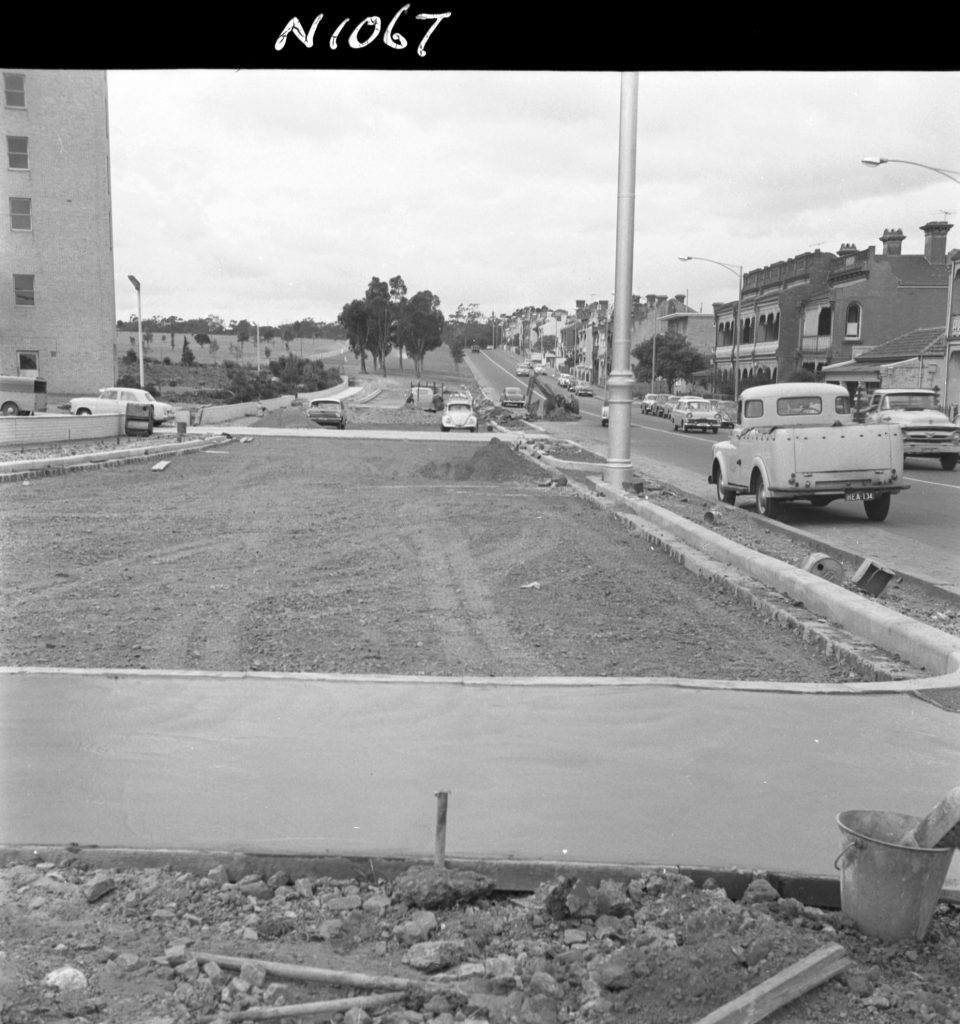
<point x="782" y="988"/>
<point x="440" y="850"/>
<point x="300" y="972"/>
<point x="329" y="1006"/>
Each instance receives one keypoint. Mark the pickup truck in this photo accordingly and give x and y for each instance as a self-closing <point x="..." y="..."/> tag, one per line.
<point x="927" y="431"/>
<point x="799" y="442"/>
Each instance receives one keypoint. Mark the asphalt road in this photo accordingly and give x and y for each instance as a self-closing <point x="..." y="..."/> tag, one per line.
<point x="919" y="538"/>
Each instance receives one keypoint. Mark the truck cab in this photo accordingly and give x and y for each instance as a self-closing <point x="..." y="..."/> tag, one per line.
<point x="927" y="430"/>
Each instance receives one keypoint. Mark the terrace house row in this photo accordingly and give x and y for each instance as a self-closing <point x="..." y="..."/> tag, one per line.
<point x="819" y="309"/>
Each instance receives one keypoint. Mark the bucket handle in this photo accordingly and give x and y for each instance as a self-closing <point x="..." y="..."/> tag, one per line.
<point x="855" y="845"/>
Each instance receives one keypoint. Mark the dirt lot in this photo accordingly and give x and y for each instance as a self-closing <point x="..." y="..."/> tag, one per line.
<point x="441" y="558"/>
<point x="312" y="555"/>
<point x="136" y="948"/>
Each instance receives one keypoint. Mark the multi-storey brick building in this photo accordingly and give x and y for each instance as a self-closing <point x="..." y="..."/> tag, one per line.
<point x="57" y="302"/>
<point x="820" y="308"/>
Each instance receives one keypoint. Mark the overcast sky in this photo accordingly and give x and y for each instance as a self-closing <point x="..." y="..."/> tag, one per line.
<point x="278" y="194"/>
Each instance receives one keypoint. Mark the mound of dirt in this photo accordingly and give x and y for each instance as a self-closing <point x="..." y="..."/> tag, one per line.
<point x="493" y="462"/>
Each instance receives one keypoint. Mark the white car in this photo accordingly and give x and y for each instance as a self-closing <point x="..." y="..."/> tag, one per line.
<point x="117" y="399"/>
<point x="458" y="414"/>
<point x="695" y="414"/>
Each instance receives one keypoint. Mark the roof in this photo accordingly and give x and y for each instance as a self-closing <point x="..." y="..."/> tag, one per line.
<point x="792" y="389"/>
<point x="922" y="341"/>
<point x="917" y="270"/>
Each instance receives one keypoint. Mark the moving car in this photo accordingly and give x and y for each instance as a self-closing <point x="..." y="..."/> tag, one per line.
<point x="566" y="380"/>
<point x="664" y="405"/>
<point x="727" y="411"/>
<point x="648" y="403"/>
<point x="523" y="370"/>
<point x="694" y="414"/>
<point x="117" y="400"/>
<point x="474" y="348"/>
<point x="928" y="432"/>
<point x="458" y="414"/>
<point x="512" y="397"/>
<point x="327" y="412"/>
<point x="583" y="387"/>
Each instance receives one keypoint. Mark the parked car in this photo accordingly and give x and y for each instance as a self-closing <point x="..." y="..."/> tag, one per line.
<point x="117" y="399"/>
<point x="694" y="414"/>
<point x="583" y="387"/>
<point x="727" y="411"/>
<point x="458" y="414"/>
<point x="328" y="412"/>
<point x="566" y="380"/>
<point x="512" y="397"/>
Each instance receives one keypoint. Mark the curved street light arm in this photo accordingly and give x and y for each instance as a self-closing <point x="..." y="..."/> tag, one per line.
<point x="876" y="161"/>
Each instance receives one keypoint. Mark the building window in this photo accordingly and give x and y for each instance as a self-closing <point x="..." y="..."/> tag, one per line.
<point x="28" y="362"/>
<point x="824" y="324"/>
<point x="853" y="321"/>
<point x="13" y="90"/>
<point x="17" y="153"/>
<point x="23" y="289"/>
<point x="20" y="214"/>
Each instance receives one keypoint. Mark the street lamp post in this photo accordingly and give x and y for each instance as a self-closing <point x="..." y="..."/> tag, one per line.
<point x="136" y="284"/>
<point x="738" y="270"/>
<point x="876" y="161"/>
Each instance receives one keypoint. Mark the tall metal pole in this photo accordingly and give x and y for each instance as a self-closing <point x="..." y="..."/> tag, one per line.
<point x="136" y="284"/>
<point x="620" y="382"/>
<point x="736" y="337"/>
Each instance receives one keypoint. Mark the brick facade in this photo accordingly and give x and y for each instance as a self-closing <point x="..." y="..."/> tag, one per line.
<point x="67" y="244"/>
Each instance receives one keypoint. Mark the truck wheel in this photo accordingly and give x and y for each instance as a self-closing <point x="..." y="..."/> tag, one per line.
<point x="12" y="409"/>
<point x="948" y="462"/>
<point x="766" y="506"/>
<point x="878" y="508"/>
<point x="724" y="493"/>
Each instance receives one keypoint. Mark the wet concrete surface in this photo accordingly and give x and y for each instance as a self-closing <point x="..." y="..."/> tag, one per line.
<point x="643" y="774"/>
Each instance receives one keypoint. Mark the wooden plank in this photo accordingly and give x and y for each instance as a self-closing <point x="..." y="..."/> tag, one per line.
<point x="782" y="988"/>
<point x="937" y="823"/>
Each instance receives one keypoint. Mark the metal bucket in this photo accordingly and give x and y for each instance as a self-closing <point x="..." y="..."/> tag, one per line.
<point x="888" y="890"/>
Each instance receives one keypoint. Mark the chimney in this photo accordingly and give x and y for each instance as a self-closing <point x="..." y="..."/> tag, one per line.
<point x="892" y="241"/>
<point x="846" y="249"/>
<point x="935" y="246"/>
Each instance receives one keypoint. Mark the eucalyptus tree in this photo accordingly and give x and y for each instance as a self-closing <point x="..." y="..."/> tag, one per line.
<point x="425" y="325"/>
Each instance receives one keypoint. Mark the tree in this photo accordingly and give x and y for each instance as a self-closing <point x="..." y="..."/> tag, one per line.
<point x="801" y="376"/>
<point x="676" y="358"/>
<point x="398" y="302"/>
<point x="377" y="302"/>
<point x="353" y="319"/>
<point x="424" y="325"/>
<point x="187" y="358"/>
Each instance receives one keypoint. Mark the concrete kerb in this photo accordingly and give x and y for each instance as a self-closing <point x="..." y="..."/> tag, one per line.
<point x="31" y="468"/>
<point x="923" y="646"/>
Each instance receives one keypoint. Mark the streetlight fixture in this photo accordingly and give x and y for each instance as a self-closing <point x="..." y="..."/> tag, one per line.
<point x="738" y="270"/>
<point x="136" y="284"/>
<point x="876" y="161"/>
